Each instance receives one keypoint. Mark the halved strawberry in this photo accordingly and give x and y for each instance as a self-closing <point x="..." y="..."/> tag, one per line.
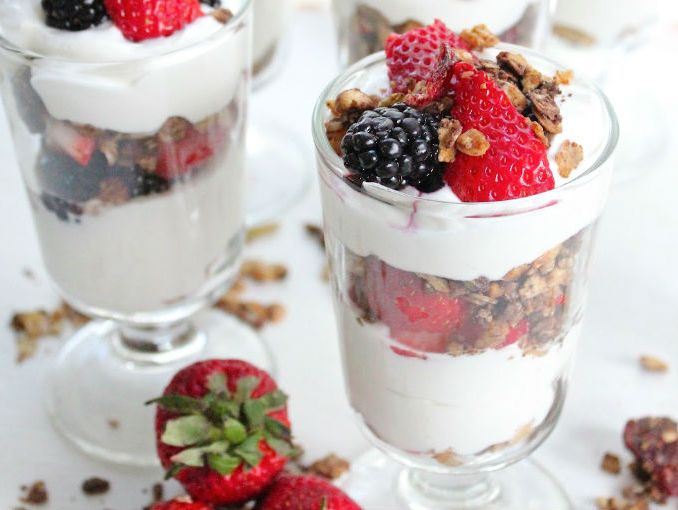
<point x="176" y="158"/>
<point x="414" y="56"/>
<point x="65" y="138"/>
<point x="516" y="163"/>
<point x="417" y="316"/>
<point x="147" y="19"/>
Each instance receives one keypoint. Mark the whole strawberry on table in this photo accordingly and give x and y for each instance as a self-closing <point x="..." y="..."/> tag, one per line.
<point x="223" y="432"/>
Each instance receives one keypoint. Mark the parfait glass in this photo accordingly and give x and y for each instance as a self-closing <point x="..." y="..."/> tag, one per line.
<point x="273" y="186"/>
<point x="135" y="175"/>
<point x="458" y="321"/>
<point x="363" y="25"/>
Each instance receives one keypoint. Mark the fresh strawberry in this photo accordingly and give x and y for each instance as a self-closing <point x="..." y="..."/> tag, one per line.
<point x="147" y="19"/>
<point x="305" y="493"/>
<point x="416" y="55"/>
<point x="222" y="430"/>
<point x="516" y="164"/>
<point x="183" y="503"/>
<point x="417" y="316"/>
<point x="178" y="157"/>
<point x="65" y="138"/>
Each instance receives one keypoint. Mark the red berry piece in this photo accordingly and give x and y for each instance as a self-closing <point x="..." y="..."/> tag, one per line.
<point x="515" y="165"/>
<point x="139" y="20"/>
<point x="184" y="503"/>
<point x="222" y="430"/>
<point x="305" y="493"/>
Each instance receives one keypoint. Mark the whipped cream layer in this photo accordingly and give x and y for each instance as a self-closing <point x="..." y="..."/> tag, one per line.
<point x="182" y="244"/>
<point x="271" y="18"/>
<point x="149" y="82"/>
<point x="499" y="15"/>
<point x="466" y="403"/>
<point x="441" y="236"/>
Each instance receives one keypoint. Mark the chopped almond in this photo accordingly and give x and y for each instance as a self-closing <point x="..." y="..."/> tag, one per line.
<point x="653" y="364"/>
<point x="479" y="37"/>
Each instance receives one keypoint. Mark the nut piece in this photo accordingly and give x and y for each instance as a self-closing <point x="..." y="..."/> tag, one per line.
<point x="222" y="15"/>
<point x="539" y="132"/>
<point x="513" y="63"/>
<point x="546" y="110"/>
<point x="653" y="364"/>
<point x="611" y="464"/>
<point x="448" y="133"/>
<point x="479" y="37"/>
<point x="447" y="458"/>
<point x="352" y="100"/>
<point x="95" y="486"/>
<point x="35" y="494"/>
<point x="260" y="231"/>
<point x="263" y="272"/>
<point x="330" y="467"/>
<point x="532" y="80"/>
<point x="564" y="77"/>
<point x="515" y="95"/>
<point x="472" y="143"/>
<point x="568" y="157"/>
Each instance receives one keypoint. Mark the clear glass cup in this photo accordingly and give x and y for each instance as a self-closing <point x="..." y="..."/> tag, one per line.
<point x="272" y="189"/>
<point x="363" y="25"/>
<point x="458" y="322"/>
<point x="137" y="193"/>
<point x="604" y="44"/>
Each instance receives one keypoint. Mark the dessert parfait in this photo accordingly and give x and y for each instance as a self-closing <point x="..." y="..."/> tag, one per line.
<point x="364" y="25"/>
<point x="133" y="166"/>
<point x="461" y="184"/>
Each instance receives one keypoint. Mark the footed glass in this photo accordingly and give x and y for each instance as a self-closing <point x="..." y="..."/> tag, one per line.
<point x="137" y="193"/>
<point x="458" y="321"/>
<point x="363" y="25"/>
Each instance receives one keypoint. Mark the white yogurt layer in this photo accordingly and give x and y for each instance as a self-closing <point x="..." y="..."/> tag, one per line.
<point x="447" y="238"/>
<point x="271" y="18"/>
<point x="147" y="84"/>
<point x="177" y="244"/>
<point x="498" y="15"/>
<point x="466" y="403"/>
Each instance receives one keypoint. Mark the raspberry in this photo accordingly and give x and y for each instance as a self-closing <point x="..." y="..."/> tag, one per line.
<point x="73" y="15"/>
<point x="516" y="164"/>
<point x="395" y="147"/>
<point x="147" y="19"/>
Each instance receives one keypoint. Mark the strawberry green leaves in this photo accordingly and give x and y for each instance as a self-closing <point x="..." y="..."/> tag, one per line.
<point x="188" y="430"/>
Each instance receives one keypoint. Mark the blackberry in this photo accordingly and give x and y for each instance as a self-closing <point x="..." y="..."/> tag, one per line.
<point x="146" y="183"/>
<point x="74" y="15"/>
<point x="212" y="3"/>
<point x="395" y="147"/>
<point x="59" y="175"/>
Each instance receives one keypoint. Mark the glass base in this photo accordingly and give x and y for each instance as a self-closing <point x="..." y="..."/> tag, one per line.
<point x="278" y="169"/>
<point x="99" y="382"/>
<point x="376" y="482"/>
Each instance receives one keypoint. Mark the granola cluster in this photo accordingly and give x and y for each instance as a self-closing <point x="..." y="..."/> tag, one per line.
<point x="529" y="306"/>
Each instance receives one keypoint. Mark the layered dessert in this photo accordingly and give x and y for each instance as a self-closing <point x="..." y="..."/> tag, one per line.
<point x="133" y="164"/>
<point x="459" y="202"/>
<point x="364" y="25"/>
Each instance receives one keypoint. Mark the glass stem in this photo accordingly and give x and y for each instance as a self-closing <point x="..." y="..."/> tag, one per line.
<point x="432" y="491"/>
<point x="157" y="344"/>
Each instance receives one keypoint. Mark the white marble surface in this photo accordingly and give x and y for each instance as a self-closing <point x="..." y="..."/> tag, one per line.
<point x="633" y="310"/>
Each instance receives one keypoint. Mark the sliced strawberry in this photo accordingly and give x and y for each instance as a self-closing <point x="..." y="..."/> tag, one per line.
<point x="516" y="164"/>
<point x="147" y="19"/>
<point x="414" y="56"/>
<point x="65" y="138"/>
<point x="176" y="158"/>
<point x="417" y="316"/>
<point x="436" y="85"/>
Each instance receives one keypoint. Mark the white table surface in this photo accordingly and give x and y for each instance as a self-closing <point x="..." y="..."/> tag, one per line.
<point x="633" y="310"/>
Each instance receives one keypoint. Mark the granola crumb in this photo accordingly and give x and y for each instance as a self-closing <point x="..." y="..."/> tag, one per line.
<point x="621" y="504"/>
<point x="448" y="133"/>
<point x="568" y="158"/>
<point x="654" y="364"/>
<point x="352" y="100"/>
<point x="316" y="232"/>
<point x="158" y="492"/>
<point x="113" y="191"/>
<point x="113" y="424"/>
<point x="222" y="15"/>
<point x="35" y="494"/>
<point x="472" y="143"/>
<point x="611" y="464"/>
<point x="539" y="132"/>
<point x="447" y="458"/>
<point x="95" y="486"/>
<point x="331" y="467"/>
<point x="276" y="312"/>
<point x="263" y="272"/>
<point x="260" y="231"/>
<point x="564" y="77"/>
<point x="479" y="37"/>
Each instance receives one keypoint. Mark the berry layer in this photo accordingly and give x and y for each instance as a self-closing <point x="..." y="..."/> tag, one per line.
<point x="135" y="95"/>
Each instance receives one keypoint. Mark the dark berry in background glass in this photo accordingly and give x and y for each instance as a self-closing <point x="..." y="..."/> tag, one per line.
<point x="212" y="3"/>
<point x="395" y="147"/>
<point x="73" y="15"/>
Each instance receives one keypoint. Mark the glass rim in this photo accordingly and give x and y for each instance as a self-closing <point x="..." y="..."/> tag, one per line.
<point x="398" y="198"/>
<point x="245" y="8"/>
